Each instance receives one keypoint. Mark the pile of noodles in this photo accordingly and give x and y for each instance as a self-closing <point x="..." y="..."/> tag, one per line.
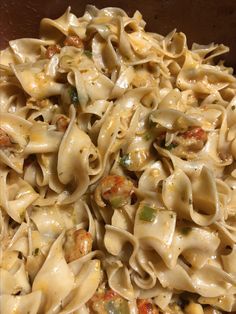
<point x="131" y="88"/>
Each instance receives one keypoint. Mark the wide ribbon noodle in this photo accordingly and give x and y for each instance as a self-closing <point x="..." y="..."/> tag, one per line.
<point x="117" y="170"/>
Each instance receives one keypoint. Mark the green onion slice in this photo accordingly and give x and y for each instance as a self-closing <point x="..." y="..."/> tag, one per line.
<point x="117" y="307"/>
<point x="117" y="202"/>
<point x="171" y="146"/>
<point x="147" y="214"/>
<point x="73" y="95"/>
<point x="147" y="136"/>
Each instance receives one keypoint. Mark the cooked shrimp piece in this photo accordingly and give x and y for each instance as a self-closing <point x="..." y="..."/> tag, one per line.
<point x="77" y="244"/>
<point x="114" y="189"/>
<point x="197" y="133"/>
<point x="193" y="139"/>
<point x="146" y="307"/>
<point x="74" y="41"/>
<point x="5" y="140"/>
<point x="185" y="144"/>
<point x="62" y="123"/>
<point x="52" y="50"/>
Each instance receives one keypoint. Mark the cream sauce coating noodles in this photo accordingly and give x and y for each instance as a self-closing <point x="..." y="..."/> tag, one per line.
<point x="117" y="170"/>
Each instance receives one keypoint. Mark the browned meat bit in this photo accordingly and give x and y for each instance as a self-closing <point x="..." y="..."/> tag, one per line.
<point x="52" y="50"/>
<point x="75" y="41"/>
<point x="62" y="123"/>
<point x="4" y="140"/>
<point x="78" y="243"/>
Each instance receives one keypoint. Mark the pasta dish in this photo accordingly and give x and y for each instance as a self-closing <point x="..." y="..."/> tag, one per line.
<point x="117" y="170"/>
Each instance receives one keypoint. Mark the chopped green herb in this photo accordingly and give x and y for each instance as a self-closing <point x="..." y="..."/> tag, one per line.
<point x="151" y="124"/>
<point x="111" y="308"/>
<point x="73" y="95"/>
<point x="162" y="143"/>
<point x="88" y="53"/>
<point x="147" y="214"/>
<point x="117" y="202"/>
<point x="125" y="160"/>
<point x="36" y="252"/>
<point x="124" y="308"/>
<point x="186" y="230"/>
<point x="147" y="136"/>
<point x="171" y="146"/>
<point x="117" y="307"/>
<point x="233" y="107"/>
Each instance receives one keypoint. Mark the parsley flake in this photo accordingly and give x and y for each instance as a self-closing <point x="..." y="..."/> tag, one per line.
<point x="88" y="53"/>
<point x="125" y="160"/>
<point x="73" y="95"/>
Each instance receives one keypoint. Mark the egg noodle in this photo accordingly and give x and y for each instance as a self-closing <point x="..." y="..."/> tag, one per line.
<point x="117" y="170"/>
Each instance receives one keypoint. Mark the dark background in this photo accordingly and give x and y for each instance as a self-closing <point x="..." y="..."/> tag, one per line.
<point x="203" y="21"/>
